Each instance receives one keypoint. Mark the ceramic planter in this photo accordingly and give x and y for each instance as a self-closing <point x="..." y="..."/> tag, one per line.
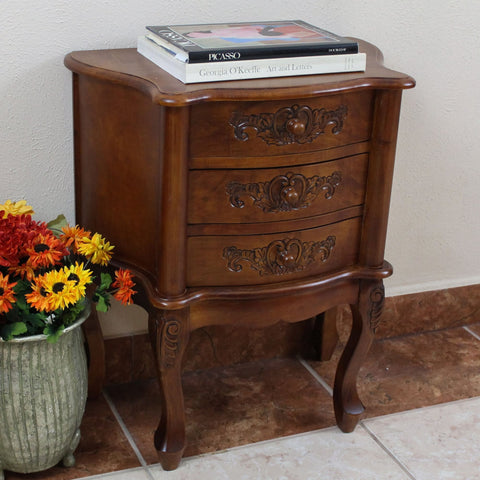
<point x="43" y="390"/>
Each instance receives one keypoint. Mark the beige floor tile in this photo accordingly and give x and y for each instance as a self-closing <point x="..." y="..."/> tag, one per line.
<point x="439" y="442"/>
<point x="133" y="474"/>
<point x="324" y="454"/>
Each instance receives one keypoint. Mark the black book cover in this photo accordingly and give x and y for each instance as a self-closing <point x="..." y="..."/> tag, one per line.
<point x="250" y="40"/>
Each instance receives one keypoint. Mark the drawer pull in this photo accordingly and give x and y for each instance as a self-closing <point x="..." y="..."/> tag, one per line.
<point x="280" y="256"/>
<point x="284" y="193"/>
<point x="295" y="124"/>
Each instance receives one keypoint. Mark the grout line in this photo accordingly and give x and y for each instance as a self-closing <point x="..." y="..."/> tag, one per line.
<point x="107" y="475"/>
<point x="471" y="332"/>
<point x="316" y="376"/>
<point x="127" y="434"/>
<point x="388" y="452"/>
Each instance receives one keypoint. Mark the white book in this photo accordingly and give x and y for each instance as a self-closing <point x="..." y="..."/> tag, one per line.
<point x="248" y="69"/>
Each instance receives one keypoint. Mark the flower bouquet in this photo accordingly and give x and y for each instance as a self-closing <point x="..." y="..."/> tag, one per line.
<point x="47" y="271"/>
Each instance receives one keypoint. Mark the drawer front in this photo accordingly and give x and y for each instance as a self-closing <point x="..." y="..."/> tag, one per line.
<point x="261" y="259"/>
<point x="266" y="195"/>
<point x="275" y="128"/>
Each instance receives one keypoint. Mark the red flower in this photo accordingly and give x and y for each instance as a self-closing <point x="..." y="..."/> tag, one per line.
<point x="16" y="232"/>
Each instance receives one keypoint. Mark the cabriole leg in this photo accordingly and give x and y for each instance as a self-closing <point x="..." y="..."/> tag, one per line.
<point x="169" y="335"/>
<point x="366" y="313"/>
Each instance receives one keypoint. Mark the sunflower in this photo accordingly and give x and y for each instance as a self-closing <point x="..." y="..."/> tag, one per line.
<point x="61" y="292"/>
<point x="96" y="248"/>
<point x="124" y="283"/>
<point x="7" y="295"/>
<point x="79" y="275"/>
<point x="16" y="208"/>
<point x="72" y="236"/>
<point x="45" y="250"/>
<point x="38" y="297"/>
<point x="52" y="291"/>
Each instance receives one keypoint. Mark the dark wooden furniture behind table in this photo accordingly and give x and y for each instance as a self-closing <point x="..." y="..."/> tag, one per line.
<point x="246" y="203"/>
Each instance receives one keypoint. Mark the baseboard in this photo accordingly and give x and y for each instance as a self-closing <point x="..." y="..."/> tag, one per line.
<point x="130" y="358"/>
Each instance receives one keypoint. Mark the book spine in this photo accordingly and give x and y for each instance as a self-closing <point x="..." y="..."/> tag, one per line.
<point x="268" y="68"/>
<point x="259" y="53"/>
<point x="262" y="68"/>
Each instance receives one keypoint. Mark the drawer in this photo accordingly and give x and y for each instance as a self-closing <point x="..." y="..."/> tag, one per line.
<point x="276" y="128"/>
<point x="260" y="259"/>
<point x="266" y="195"/>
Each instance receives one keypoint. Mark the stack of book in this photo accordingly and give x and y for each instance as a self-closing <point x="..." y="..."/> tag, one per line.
<point x="236" y="51"/>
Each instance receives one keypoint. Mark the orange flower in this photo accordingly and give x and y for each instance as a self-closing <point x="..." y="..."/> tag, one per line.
<point x="72" y="236"/>
<point x="46" y="251"/>
<point x="124" y="283"/>
<point x="38" y="297"/>
<point x="7" y="295"/>
<point x="24" y="269"/>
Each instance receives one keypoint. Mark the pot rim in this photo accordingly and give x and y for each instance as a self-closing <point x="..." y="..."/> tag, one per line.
<point x="36" y="338"/>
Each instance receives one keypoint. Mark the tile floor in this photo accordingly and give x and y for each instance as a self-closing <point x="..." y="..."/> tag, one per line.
<point x="273" y="419"/>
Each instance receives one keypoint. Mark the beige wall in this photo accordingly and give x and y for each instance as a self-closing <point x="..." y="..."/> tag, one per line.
<point x="434" y="226"/>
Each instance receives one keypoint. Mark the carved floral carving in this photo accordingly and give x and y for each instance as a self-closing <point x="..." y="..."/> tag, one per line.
<point x="295" y="124"/>
<point x="284" y="193"/>
<point x="376" y="301"/>
<point x="280" y="256"/>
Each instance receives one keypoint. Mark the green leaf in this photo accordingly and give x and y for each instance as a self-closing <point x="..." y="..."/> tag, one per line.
<point x="105" y="281"/>
<point x="11" y="330"/>
<point x="21" y="303"/>
<point x="53" y="333"/>
<point x="56" y="225"/>
<point x="103" y="302"/>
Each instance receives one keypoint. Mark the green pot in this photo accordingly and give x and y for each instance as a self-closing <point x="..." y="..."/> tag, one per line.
<point x="43" y="390"/>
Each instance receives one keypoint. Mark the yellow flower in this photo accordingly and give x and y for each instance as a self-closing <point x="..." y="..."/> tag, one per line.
<point x="16" y="208"/>
<point x="53" y="291"/>
<point x="79" y="276"/>
<point x="96" y="249"/>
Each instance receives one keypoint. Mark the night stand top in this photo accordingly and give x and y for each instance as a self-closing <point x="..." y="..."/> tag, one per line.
<point x="128" y="67"/>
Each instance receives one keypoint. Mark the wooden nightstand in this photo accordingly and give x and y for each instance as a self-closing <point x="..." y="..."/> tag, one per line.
<point x="244" y="203"/>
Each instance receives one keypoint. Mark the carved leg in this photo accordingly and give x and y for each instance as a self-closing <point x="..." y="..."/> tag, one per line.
<point x="325" y="335"/>
<point x="169" y="333"/>
<point x="366" y="313"/>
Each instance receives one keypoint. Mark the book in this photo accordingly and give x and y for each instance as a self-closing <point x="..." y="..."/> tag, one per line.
<point x="219" y="42"/>
<point x="248" y="69"/>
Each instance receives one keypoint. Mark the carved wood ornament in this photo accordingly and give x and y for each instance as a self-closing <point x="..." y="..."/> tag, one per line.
<point x="376" y="301"/>
<point x="284" y="193"/>
<point x="295" y="124"/>
<point x="280" y="256"/>
<point x="170" y="338"/>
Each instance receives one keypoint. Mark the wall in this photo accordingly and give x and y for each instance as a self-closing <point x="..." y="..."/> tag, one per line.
<point x="434" y="222"/>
